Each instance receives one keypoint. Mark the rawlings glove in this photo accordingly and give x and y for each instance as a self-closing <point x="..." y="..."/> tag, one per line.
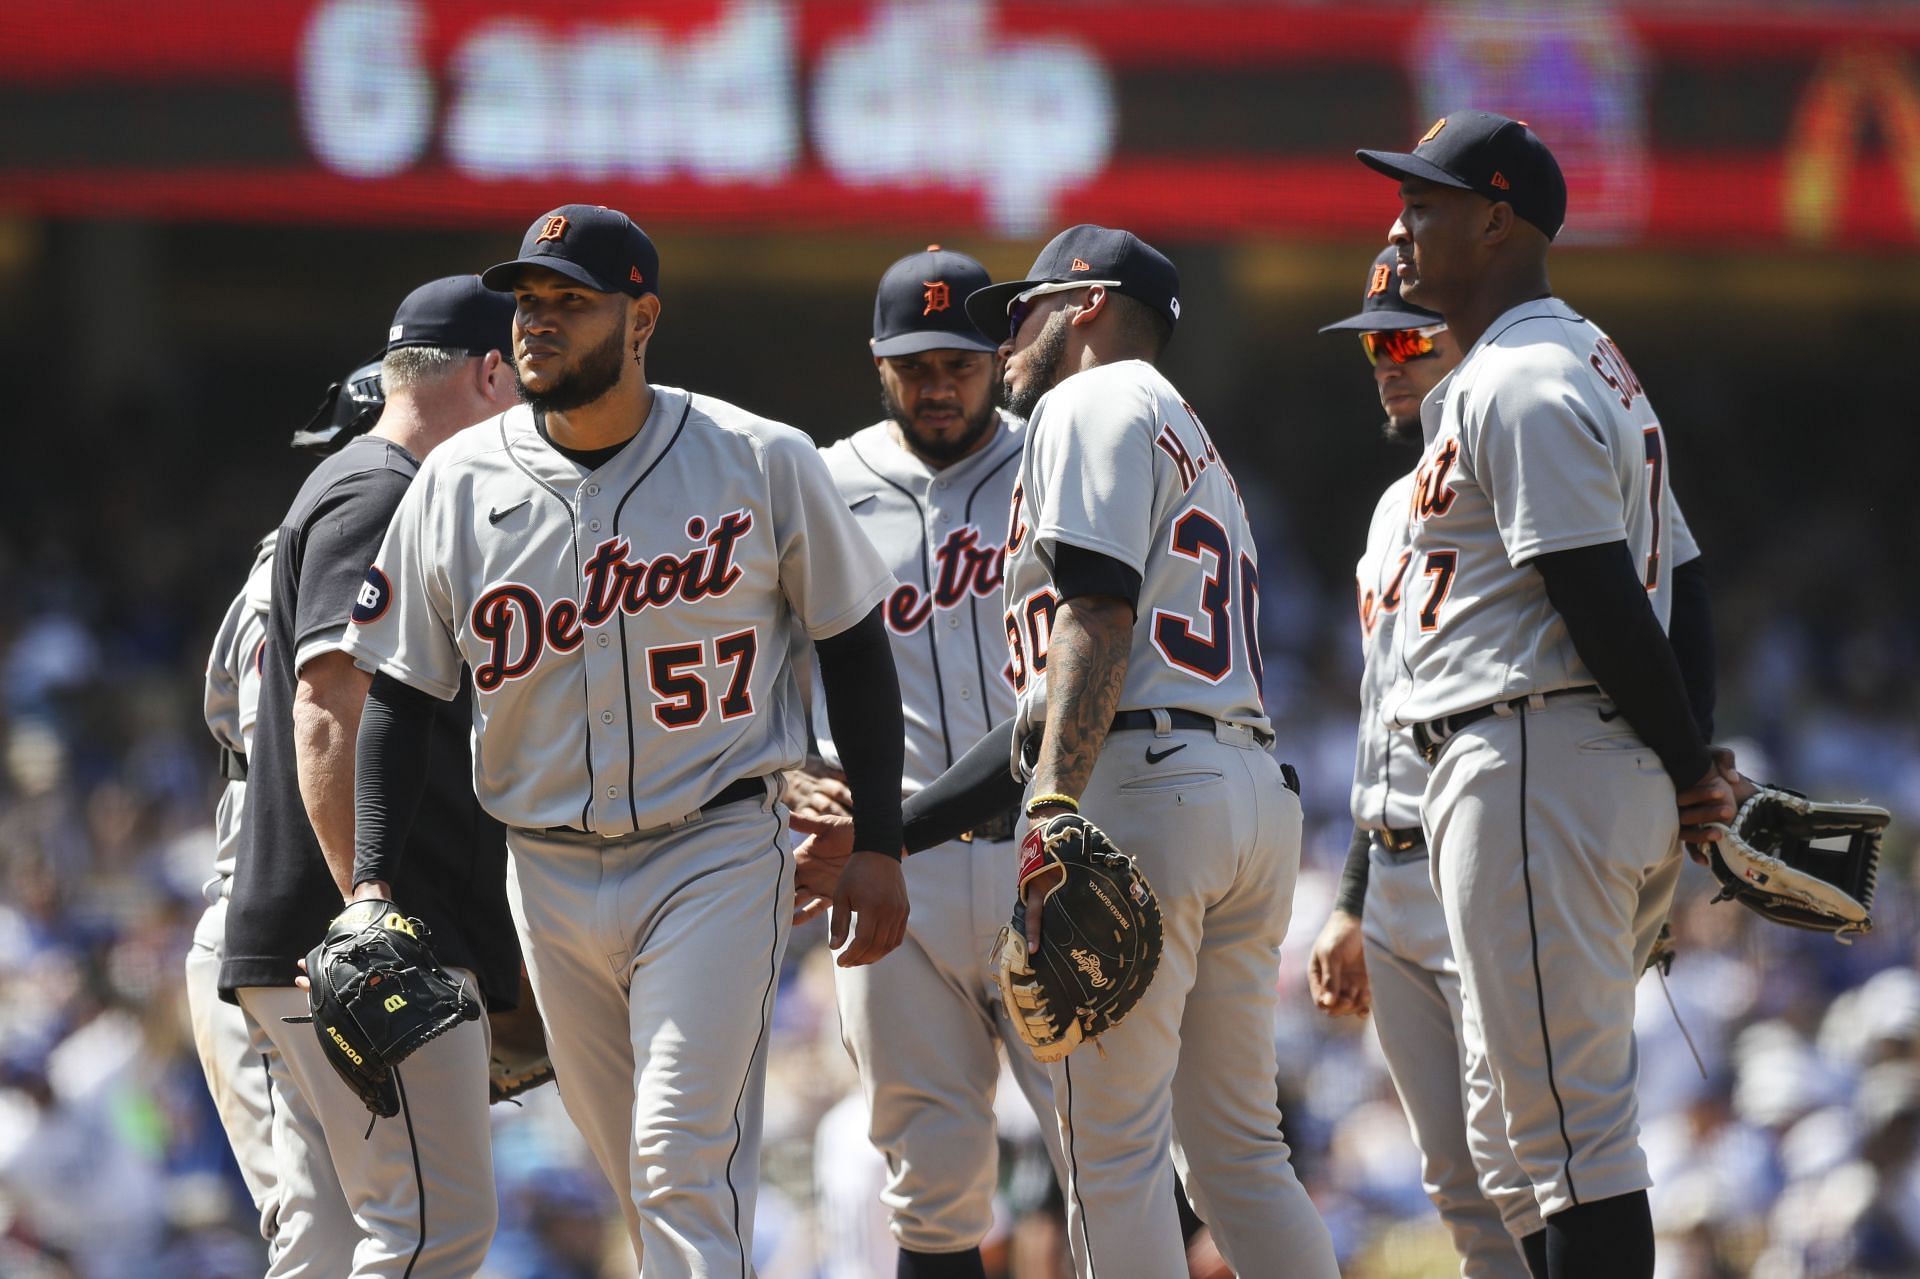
<point x="1781" y="858"/>
<point x="1100" y="939"/>
<point x="377" y="995"/>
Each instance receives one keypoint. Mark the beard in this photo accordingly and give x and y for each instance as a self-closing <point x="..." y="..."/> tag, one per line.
<point x="598" y="372"/>
<point x="932" y="448"/>
<point x="1409" y="433"/>
<point x="1044" y="358"/>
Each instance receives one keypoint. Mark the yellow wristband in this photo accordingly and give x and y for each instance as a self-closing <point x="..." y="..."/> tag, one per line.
<point x="1067" y="802"/>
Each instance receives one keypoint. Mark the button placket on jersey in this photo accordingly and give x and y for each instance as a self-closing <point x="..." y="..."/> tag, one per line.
<point x="602" y="653"/>
<point x="951" y="641"/>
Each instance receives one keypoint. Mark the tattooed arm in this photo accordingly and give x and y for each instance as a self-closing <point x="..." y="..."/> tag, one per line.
<point x="1086" y="667"/>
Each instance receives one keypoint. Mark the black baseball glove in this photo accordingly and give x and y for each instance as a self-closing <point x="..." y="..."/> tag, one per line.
<point x="1783" y="857"/>
<point x="1100" y="939"/>
<point x="377" y="994"/>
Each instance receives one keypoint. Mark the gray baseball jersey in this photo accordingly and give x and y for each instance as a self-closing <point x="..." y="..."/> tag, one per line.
<point x="222" y="1037"/>
<point x="1127" y="443"/>
<point x="930" y="1095"/>
<point x="1388" y="773"/>
<point x="1541" y="441"/>
<point x="941" y="533"/>
<point x="232" y="699"/>
<point x="1118" y="464"/>
<point x="601" y="702"/>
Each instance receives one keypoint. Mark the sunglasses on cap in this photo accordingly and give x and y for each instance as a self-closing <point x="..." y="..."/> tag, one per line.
<point x="1021" y="305"/>
<point x="1400" y="345"/>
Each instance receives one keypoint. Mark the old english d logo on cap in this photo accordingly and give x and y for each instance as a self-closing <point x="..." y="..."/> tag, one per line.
<point x="1382" y="273"/>
<point x="939" y="298"/>
<point x="1432" y="133"/>
<point x="553" y="229"/>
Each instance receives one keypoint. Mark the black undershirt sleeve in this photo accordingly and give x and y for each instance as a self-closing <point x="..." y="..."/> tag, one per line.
<point x="389" y="774"/>
<point x="1598" y="592"/>
<point x="1078" y="571"/>
<point x="1352" y="897"/>
<point x="980" y="786"/>
<point x="862" y="691"/>
<point x="1690" y="630"/>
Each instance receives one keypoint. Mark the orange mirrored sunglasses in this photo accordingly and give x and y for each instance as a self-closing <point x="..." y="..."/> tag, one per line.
<point x="1400" y="345"/>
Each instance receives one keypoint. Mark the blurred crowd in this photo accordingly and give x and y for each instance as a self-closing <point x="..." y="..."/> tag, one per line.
<point x="1780" y="1072"/>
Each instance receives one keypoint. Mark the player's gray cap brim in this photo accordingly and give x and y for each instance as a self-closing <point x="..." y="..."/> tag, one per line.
<point x="1399" y="164"/>
<point x="500" y="278"/>
<point x="932" y="340"/>
<point x="987" y="307"/>
<point x="1383" y="321"/>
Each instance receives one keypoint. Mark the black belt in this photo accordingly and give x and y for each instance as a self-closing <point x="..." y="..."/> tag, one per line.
<point x="233" y="764"/>
<point x="1432" y="735"/>
<point x="732" y="793"/>
<point x="1400" y="840"/>
<point x="1179" y="719"/>
<point x="1136" y="720"/>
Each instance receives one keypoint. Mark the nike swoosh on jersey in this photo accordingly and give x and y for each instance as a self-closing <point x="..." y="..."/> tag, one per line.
<point x="499" y="513"/>
<point x="1154" y="757"/>
<point x="859" y="502"/>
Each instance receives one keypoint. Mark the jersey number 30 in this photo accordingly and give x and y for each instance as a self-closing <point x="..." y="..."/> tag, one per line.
<point x="1202" y="646"/>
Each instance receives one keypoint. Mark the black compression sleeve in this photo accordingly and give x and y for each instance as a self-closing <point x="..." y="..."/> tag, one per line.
<point x="1690" y="630"/>
<point x="1598" y="592"/>
<point x="863" y="703"/>
<point x="979" y="786"/>
<point x="1078" y="571"/>
<point x="1352" y="896"/>
<point x="389" y="774"/>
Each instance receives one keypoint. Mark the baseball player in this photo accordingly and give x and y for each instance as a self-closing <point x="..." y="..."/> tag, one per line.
<point x="1532" y="670"/>
<point x="232" y="1050"/>
<point x="222" y="1036"/>
<point x="930" y="485"/>
<point x="419" y="1188"/>
<point x="623" y="568"/>
<point x="1403" y="971"/>
<point x="1131" y="601"/>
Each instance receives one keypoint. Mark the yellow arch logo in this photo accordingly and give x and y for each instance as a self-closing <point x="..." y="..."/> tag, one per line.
<point x="1850" y="84"/>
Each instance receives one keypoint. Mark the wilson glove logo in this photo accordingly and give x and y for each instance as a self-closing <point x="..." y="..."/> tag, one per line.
<point x="346" y="1049"/>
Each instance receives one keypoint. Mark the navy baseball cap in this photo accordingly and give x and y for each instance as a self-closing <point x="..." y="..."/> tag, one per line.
<point x="921" y="304"/>
<point x="457" y="312"/>
<point x="1382" y="309"/>
<point x="598" y="246"/>
<point x="1086" y="254"/>
<point x="1487" y="154"/>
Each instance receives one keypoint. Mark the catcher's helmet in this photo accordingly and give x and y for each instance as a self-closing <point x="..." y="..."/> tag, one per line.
<point x="352" y="406"/>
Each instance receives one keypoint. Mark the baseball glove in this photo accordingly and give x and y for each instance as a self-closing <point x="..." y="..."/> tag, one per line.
<point x="377" y="995"/>
<point x="520" y="1062"/>
<point x="1100" y="939"/>
<point x="1782" y="858"/>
